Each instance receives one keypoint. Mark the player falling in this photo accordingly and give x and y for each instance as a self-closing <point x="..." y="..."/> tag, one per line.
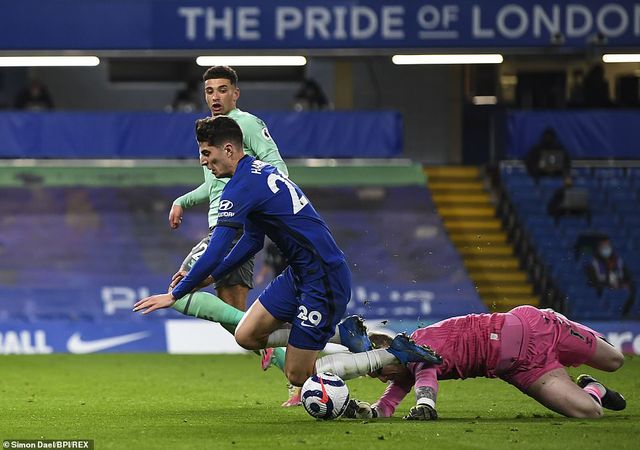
<point x="311" y="294"/>
<point x="526" y="347"/>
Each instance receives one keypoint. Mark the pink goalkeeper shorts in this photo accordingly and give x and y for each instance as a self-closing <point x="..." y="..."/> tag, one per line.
<point x="548" y="341"/>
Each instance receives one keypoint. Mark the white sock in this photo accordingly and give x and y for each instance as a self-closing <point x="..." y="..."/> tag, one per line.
<point x="335" y="339"/>
<point x="596" y="391"/>
<point x="352" y="365"/>
<point x="279" y="338"/>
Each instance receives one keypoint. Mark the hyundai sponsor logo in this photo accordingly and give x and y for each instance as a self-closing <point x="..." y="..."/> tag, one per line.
<point x="225" y="205"/>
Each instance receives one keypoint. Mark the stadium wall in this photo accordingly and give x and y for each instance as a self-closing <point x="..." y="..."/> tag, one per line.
<point x="190" y="336"/>
<point x="310" y="134"/>
<point x="82" y="242"/>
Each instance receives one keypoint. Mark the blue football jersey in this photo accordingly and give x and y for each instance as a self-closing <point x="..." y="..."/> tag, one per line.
<point x="258" y="198"/>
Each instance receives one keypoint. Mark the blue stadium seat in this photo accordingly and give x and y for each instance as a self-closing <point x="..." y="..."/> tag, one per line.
<point x="623" y="196"/>
<point x="634" y="172"/>
<point x="532" y="208"/>
<point x="519" y="184"/>
<point x="634" y="313"/>
<point x="609" y="172"/>
<point x="539" y="221"/>
<point x="602" y="221"/>
<point x="615" y="300"/>
<point x="581" y="172"/>
<point x="632" y="220"/>
<point x="614" y="199"/>
<point x="550" y="183"/>
<point x="615" y="183"/>
<point x="628" y="209"/>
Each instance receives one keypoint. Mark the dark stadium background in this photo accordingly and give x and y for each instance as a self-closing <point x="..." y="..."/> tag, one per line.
<point x="418" y="168"/>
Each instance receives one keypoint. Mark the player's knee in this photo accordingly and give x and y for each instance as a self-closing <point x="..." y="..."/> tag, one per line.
<point x="613" y="361"/>
<point x="296" y="376"/>
<point x="246" y="340"/>
<point x="616" y="361"/>
<point x="590" y="410"/>
<point x="585" y="408"/>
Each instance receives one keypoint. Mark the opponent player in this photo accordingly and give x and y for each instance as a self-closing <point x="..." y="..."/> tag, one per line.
<point x="221" y="95"/>
<point x="527" y="347"/>
<point x="311" y="294"/>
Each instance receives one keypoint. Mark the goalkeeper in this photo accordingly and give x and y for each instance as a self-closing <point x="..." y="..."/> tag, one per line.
<point x="526" y="347"/>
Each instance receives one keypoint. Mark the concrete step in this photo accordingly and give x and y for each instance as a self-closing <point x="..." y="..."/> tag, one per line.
<point x="450" y="199"/>
<point x="491" y="263"/>
<point x="455" y="187"/>
<point x="497" y="277"/>
<point x="476" y="226"/>
<point x="495" y="290"/>
<point x="452" y="171"/>
<point x="472" y="239"/>
<point x="466" y="211"/>
<point x="485" y="250"/>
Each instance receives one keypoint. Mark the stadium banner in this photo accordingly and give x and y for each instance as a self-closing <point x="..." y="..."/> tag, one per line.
<point x="81" y="337"/>
<point x="313" y="24"/>
<point x="112" y="303"/>
<point x="587" y="134"/>
<point x="417" y="302"/>
<point x="623" y="335"/>
<point x="309" y="134"/>
<point x="191" y="336"/>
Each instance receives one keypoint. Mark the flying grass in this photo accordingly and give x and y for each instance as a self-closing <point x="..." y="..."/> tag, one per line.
<point x="171" y="401"/>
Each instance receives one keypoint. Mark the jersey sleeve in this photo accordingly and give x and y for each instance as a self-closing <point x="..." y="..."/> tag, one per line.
<point x="391" y="398"/>
<point x="260" y="142"/>
<point x="249" y="244"/>
<point x="195" y="197"/>
<point x="218" y="247"/>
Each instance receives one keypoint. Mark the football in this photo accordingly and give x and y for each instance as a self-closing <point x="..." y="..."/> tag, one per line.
<point x="325" y="396"/>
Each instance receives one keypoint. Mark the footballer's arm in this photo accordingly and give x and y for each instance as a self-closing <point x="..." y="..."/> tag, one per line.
<point x="192" y="198"/>
<point x="221" y="240"/>
<point x="248" y="245"/>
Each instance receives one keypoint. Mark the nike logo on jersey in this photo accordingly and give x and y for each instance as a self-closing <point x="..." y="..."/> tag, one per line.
<point x="75" y="344"/>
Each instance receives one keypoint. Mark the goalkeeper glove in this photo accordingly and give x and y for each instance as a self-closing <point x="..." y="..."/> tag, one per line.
<point x="421" y="412"/>
<point x="357" y="409"/>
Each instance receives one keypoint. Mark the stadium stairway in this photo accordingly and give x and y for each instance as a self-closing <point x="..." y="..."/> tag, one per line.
<point x="469" y="217"/>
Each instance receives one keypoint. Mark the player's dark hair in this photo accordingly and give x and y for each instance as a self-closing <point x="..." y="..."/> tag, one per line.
<point x="380" y="340"/>
<point x="215" y="72"/>
<point x="218" y="130"/>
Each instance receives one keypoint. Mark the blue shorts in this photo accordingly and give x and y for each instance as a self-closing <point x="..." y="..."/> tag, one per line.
<point x="313" y="308"/>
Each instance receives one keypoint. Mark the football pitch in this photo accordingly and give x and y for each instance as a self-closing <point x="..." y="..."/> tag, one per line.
<point x="174" y="401"/>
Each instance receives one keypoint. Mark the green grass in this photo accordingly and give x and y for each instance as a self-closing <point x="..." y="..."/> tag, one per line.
<point x="170" y="401"/>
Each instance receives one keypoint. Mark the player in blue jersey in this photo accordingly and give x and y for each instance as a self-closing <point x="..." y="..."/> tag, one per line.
<point x="313" y="291"/>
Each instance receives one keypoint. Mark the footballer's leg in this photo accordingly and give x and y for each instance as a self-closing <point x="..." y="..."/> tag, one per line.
<point x="606" y="357"/>
<point x="252" y="333"/>
<point x="204" y="305"/>
<point x="299" y="364"/>
<point x="235" y="295"/>
<point x="558" y="392"/>
<point x="276" y="305"/>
